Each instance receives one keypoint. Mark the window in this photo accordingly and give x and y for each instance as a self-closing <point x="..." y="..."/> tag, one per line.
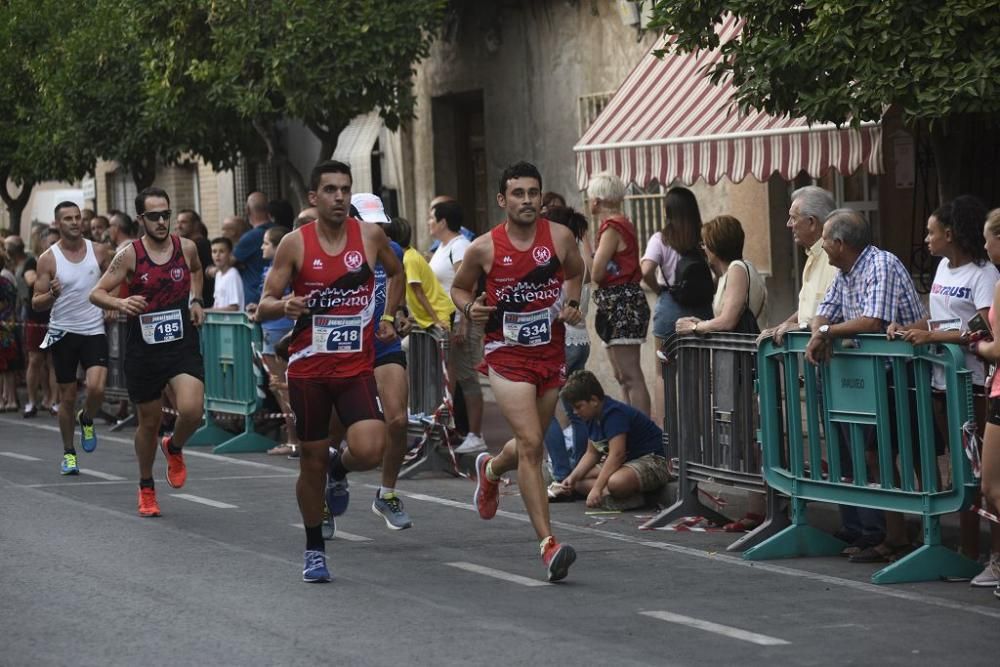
<point x="121" y="190"/>
<point x="589" y="107"/>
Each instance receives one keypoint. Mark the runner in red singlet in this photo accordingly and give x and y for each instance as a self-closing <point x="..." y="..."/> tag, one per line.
<point x="526" y="260"/>
<point x="164" y="307"/>
<point x="329" y="264"/>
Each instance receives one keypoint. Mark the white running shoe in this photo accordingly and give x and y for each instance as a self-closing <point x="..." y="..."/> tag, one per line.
<point x="988" y="578"/>
<point x="472" y="444"/>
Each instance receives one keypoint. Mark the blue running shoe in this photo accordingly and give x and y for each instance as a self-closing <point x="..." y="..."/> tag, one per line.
<point x="68" y="466"/>
<point x="329" y="524"/>
<point x="88" y="434"/>
<point x="314" y="571"/>
<point x="337" y="495"/>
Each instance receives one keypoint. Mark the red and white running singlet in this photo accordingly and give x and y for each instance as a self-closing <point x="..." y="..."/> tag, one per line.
<point x="526" y="289"/>
<point x="334" y="339"/>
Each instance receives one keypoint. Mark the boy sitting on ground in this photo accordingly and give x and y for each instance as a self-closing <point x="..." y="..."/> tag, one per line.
<point x="624" y="458"/>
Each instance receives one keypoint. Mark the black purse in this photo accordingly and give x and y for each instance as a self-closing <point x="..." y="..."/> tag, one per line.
<point x="747" y="323"/>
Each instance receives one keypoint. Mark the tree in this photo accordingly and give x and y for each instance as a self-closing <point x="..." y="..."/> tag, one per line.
<point x="846" y="61"/>
<point x="31" y="150"/>
<point x="321" y="63"/>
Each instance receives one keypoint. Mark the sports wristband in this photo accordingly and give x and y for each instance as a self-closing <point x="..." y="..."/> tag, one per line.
<point x="386" y="317"/>
<point x="467" y="309"/>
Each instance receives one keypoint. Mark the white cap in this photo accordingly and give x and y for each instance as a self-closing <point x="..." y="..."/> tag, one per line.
<point x="369" y="207"/>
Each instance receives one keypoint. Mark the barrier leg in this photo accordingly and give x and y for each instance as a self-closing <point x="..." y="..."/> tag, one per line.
<point x="431" y="459"/>
<point x="248" y="441"/>
<point x="777" y="520"/>
<point x="799" y="539"/>
<point x="687" y="504"/>
<point x="208" y="435"/>
<point x="930" y="562"/>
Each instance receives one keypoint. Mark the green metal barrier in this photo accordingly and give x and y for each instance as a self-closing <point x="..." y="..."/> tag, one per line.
<point x="231" y="380"/>
<point x="869" y="389"/>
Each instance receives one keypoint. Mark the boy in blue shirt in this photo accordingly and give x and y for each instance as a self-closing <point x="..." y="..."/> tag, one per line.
<point x="624" y="457"/>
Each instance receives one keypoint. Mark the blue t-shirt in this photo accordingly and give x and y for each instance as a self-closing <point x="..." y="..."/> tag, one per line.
<point x="381" y="349"/>
<point x="642" y="436"/>
<point x="281" y="324"/>
<point x="248" y="253"/>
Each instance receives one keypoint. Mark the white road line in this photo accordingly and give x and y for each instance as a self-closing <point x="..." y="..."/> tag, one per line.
<point x="130" y="481"/>
<point x="498" y="574"/>
<point x="760" y="566"/>
<point x="101" y="475"/>
<point x="22" y="457"/>
<point x="709" y="626"/>
<point x="342" y="535"/>
<point x="204" y="501"/>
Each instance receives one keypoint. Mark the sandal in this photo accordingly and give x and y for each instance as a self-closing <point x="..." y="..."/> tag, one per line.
<point x="881" y="553"/>
<point x="281" y="450"/>
<point x="558" y="493"/>
<point x="748" y="522"/>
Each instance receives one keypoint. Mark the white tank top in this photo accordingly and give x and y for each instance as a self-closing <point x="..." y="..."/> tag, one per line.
<point x="72" y="311"/>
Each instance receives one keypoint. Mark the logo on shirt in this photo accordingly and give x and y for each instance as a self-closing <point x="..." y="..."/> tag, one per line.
<point x="144" y="278"/>
<point x="507" y="260"/>
<point x="541" y="255"/>
<point x="317" y="263"/>
<point x="177" y="274"/>
<point x="353" y="260"/>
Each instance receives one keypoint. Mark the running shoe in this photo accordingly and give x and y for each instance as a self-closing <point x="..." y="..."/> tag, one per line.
<point x="990" y="576"/>
<point x="88" y="434"/>
<point x="147" y="502"/>
<point x="557" y="558"/>
<point x="487" y="496"/>
<point x="29" y="411"/>
<point x="337" y="495"/>
<point x="390" y="508"/>
<point x="176" y="469"/>
<point x="329" y="524"/>
<point x="314" y="571"/>
<point x="472" y="444"/>
<point x="69" y="466"/>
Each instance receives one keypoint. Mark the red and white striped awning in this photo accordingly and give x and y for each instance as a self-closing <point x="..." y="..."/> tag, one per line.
<point x="668" y="122"/>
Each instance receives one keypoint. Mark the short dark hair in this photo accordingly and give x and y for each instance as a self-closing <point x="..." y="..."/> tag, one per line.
<point x="964" y="216"/>
<point x="281" y="212"/>
<point x="140" y="199"/>
<point x="328" y="167"/>
<point x="276" y="233"/>
<point x="582" y="386"/>
<point x="127" y="224"/>
<point x="193" y="213"/>
<point x="222" y="240"/>
<point x="451" y="213"/>
<point x="549" y="198"/>
<point x="400" y="231"/>
<point x="519" y="170"/>
<point x="65" y="204"/>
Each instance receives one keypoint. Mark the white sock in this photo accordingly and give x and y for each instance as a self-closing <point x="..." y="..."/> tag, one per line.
<point x="384" y="491"/>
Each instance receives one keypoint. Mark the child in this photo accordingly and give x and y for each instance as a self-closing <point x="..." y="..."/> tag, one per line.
<point x="228" y="284"/>
<point x="630" y="444"/>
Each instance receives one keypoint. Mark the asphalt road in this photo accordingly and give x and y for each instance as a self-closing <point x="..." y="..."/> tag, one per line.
<point x="217" y="580"/>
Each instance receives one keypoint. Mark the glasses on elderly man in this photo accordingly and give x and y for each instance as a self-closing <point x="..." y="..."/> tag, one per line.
<point x="156" y="216"/>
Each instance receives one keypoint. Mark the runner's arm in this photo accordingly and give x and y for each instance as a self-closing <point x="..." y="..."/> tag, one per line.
<point x="43" y="296"/>
<point x="463" y="288"/>
<point x="122" y="263"/>
<point x="573" y="267"/>
<point x="272" y="306"/>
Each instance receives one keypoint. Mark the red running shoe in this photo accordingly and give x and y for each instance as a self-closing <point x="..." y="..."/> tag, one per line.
<point x="557" y="558"/>
<point x="147" y="502"/>
<point x="487" y="496"/>
<point x="176" y="469"/>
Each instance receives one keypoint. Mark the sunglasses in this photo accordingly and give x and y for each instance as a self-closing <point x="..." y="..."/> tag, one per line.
<point x="156" y="216"/>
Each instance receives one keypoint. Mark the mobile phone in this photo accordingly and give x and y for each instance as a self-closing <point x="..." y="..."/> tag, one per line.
<point x="978" y="323"/>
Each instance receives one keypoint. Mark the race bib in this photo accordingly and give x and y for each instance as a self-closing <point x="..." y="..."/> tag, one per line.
<point x="52" y="336"/>
<point x="336" y="334"/>
<point x="164" y="326"/>
<point x="527" y="329"/>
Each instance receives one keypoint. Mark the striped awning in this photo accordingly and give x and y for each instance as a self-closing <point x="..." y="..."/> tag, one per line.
<point x="668" y="122"/>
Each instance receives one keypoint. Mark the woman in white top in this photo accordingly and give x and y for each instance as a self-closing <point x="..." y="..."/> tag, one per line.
<point x="740" y="286"/>
<point x="963" y="287"/>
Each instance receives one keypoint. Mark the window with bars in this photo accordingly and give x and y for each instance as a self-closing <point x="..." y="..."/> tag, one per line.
<point x="121" y="190"/>
<point x="589" y="107"/>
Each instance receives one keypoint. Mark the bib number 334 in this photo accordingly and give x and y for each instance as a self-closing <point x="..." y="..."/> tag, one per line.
<point x="528" y="329"/>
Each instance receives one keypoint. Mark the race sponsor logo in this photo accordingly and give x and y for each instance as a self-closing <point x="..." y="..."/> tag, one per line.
<point x="317" y="263"/>
<point x="507" y="260"/>
<point x="541" y="255"/>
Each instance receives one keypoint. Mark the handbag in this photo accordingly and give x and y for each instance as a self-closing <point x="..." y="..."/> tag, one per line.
<point x="747" y="323"/>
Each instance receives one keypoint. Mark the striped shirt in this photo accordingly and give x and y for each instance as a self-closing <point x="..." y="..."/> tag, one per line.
<point x="877" y="286"/>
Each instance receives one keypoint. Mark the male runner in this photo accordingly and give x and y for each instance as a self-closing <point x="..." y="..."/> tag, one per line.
<point x="527" y="261"/>
<point x="66" y="273"/>
<point x="329" y="264"/>
<point x="164" y="307"/>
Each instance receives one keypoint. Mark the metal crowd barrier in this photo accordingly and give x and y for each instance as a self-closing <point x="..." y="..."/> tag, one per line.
<point x="710" y="427"/>
<point x="873" y="387"/>
<point x="228" y="344"/>
<point x="430" y="405"/>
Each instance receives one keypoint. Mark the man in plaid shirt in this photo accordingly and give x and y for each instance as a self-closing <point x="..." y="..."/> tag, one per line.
<point x="872" y="289"/>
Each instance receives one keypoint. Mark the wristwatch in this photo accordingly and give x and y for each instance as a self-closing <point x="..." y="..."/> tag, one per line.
<point x="824" y="330"/>
<point x="573" y="303"/>
<point x="196" y="300"/>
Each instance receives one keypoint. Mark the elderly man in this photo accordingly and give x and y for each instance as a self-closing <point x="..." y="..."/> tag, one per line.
<point x="810" y="207"/>
<point x="872" y="289"/>
<point x="248" y="251"/>
<point x="234" y="227"/>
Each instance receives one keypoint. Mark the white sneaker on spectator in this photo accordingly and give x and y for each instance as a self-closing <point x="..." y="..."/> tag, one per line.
<point x="472" y="444"/>
<point x="990" y="576"/>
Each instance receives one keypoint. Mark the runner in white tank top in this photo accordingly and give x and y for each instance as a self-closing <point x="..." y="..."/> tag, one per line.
<point x="67" y="272"/>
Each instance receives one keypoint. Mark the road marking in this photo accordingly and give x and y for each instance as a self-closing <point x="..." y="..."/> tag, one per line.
<point x="128" y="481"/>
<point x="204" y="501"/>
<point x="498" y="574"/>
<point x="709" y="626"/>
<point x="22" y="457"/>
<point x="342" y="535"/>
<point x="101" y="475"/>
<point x="760" y="566"/>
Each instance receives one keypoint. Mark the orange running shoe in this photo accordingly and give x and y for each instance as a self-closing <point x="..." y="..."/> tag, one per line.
<point x="487" y="496"/>
<point x="557" y="558"/>
<point x="147" y="502"/>
<point x="176" y="469"/>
